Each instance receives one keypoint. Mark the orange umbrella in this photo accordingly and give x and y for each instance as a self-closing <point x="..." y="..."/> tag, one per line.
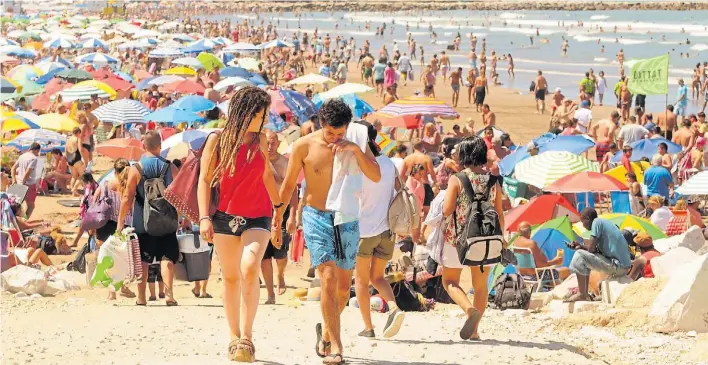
<point x="141" y="74"/>
<point x="128" y="148"/>
<point x="411" y="121"/>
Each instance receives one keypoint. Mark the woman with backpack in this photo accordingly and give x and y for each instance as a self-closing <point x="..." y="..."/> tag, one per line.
<point x="459" y="203"/>
<point x="242" y="224"/>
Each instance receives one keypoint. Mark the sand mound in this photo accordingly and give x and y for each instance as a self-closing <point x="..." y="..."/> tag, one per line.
<point x="640" y="294"/>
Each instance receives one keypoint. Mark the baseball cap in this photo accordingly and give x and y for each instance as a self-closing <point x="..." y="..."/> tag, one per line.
<point x="643" y="239"/>
<point x="558" y="89"/>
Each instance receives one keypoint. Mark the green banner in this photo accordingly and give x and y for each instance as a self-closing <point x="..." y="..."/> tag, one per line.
<point x="650" y="76"/>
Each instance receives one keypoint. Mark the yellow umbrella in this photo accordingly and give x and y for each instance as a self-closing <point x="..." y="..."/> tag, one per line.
<point x="98" y="85"/>
<point x="182" y="71"/>
<point x="248" y="63"/>
<point x="34" y="45"/>
<point x="57" y="122"/>
<point x="209" y="61"/>
<point x="14" y="122"/>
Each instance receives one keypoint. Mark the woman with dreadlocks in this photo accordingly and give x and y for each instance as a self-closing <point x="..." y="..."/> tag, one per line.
<point x="235" y="162"/>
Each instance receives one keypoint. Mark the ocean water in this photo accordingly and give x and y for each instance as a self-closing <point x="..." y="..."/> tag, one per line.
<point x="641" y="34"/>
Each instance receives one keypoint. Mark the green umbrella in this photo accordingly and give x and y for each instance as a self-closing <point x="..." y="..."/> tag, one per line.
<point x="75" y="75"/>
<point x="623" y="221"/>
<point x="30" y="88"/>
<point x="544" y="169"/>
<point x="29" y="35"/>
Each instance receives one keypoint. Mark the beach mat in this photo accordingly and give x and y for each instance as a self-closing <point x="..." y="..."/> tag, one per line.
<point x="70" y="203"/>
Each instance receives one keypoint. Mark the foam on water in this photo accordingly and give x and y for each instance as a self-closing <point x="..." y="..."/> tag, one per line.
<point x="599" y="17"/>
<point x="628" y="41"/>
<point x="699" y="34"/>
<point x="600" y="59"/>
<point x="700" y="47"/>
<point x="511" y="16"/>
<point x="527" y="31"/>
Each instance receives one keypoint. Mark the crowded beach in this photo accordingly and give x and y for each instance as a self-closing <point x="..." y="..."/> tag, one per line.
<point x="182" y="190"/>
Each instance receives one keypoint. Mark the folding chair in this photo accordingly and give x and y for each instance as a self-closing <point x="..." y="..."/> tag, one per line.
<point x="525" y="260"/>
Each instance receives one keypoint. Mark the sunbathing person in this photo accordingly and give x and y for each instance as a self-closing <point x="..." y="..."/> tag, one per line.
<point x="524" y="241"/>
<point x="32" y="230"/>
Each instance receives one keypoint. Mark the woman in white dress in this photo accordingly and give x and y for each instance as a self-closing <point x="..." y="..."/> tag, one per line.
<point x="601" y="85"/>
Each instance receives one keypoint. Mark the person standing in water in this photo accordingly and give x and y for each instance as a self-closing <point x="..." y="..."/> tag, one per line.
<point x="242" y="224"/>
<point x="541" y="86"/>
<point x="510" y="67"/>
<point x="333" y="247"/>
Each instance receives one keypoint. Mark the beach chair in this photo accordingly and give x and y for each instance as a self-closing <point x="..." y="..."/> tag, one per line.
<point x="678" y="224"/>
<point x="525" y="260"/>
<point x="620" y="202"/>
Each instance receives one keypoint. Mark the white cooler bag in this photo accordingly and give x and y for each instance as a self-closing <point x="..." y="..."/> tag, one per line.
<point x="194" y="258"/>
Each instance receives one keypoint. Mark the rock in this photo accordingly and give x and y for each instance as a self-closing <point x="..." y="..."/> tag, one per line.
<point x="558" y="309"/>
<point x="611" y="289"/>
<point x="666" y="265"/>
<point x="540" y="300"/>
<point x="691" y="334"/>
<point x="683" y="303"/>
<point x="23" y="279"/>
<point x="692" y="239"/>
<point x="579" y="307"/>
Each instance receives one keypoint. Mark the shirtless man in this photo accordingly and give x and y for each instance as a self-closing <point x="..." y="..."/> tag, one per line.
<point x="494" y="62"/>
<point x="540" y="92"/>
<point x="445" y="65"/>
<point x="525" y="241"/>
<point x="626" y="98"/>
<point x="667" y="121"/>
<point x="468" y="129"/>
<point x="471" y="76"/>
<point x="455" y="78"/>
<point x="309" y="126"/>
<point x="620" y="58"/>
<point x="488" y="117"/>
<point x="279" y="165"/>
<point x="435" y="65"/>
<point x="473" y="59"/>
<point x="368" y="69"/>
<point x="389" y="96"/>
<point x="685" y="135"/>
<point x="86" y="138"/>
<point x="604" y="133"/>
<point x="334" y="259"/>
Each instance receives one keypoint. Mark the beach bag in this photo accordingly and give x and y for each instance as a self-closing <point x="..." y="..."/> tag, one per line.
<point x="481" y="241"/>
<point x="182" y="193"/>
<point x="532" y="87"/>
<point x="406" y="297"/>
<point x="195" y="255"/>
<point x="117" y="263"/>
<point x="96" y="215"/>
<point x="403" y="211"/>
<point x="159" y="216"/>
<point x="411" y="75"/>
<point x="510" y="292"/>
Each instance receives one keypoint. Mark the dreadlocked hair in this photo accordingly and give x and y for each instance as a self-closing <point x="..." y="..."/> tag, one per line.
<point x="243" y="107"/>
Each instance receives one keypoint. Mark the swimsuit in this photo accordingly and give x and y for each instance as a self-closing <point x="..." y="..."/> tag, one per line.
<point x="328" y="242"/>
<point x="541" y="94"/>
<point x="479" y="94"/>
<point x="73" y="158"/>
<point x="601" y="149"/>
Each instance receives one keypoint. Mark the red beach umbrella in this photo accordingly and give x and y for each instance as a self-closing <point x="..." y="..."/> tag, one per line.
<point x="128" y="148"/>
<point x="587" y="181"/>
<point x="183" y="87"/>
<point x="539" y="210"/>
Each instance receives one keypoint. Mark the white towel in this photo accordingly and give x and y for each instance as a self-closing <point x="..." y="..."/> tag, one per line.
<point x="347" y="179"/>
<point x="436" y="220"/>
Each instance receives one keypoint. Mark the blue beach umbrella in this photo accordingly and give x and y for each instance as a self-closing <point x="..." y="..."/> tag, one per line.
<point x="125" y="76"/>
<point x="647" y="147"/>
<point x="94" y="43"/>
<point x="165" y="52"/>
<point x="100" y="59"/>
<point x="546" y="142"/>
<point x="257" y="80"/>
<point x="158" y="80"/>
<point x="235" y="72"/>
<point x="194" y="104"/>
<point x="59" y="43"/>
<point x="173" y="115"/>
<point x="358" y="106"/>
<point x="201" y="45"/>
<point x="275" y="123"/>
<point x="63" y="61"/>
<point x="299" y="104"/>
<point x="194" y="137"/>
<point x="276" y="43"/>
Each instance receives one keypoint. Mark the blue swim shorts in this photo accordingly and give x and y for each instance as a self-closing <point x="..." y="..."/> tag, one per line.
<point x="327" y="242"/>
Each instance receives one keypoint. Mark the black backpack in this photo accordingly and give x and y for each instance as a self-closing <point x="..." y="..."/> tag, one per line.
<point x="159" y="216"/>
<point x="481" y="241"/>
<point x="510" y="292"/>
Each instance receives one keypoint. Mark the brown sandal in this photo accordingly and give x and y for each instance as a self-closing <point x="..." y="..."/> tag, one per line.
<point x="245" y="351"/>
<point x="233" y="345"/>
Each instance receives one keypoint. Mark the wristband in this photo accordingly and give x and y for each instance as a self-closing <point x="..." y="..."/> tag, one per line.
<point x="204" y="217"/>
<point x="278" y="206"/>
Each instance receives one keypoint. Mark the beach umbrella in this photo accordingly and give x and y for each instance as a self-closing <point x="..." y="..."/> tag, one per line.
<point x="240" y="46"/>
<point x="128" y="148"/>
<point x="299" y="104"/>
<point x="21" y="53"/>
<point x="146" y="33"/>
<point x="8" y="86"/>
<point x="547" y="142"/>
<point x="648" y="147"/>
<point x="24" y="72"/>
<point x="32" y="117"/>
<point x="355" y="88"/>
<point x="147" y="42"/>
<point x="181" y="37"/>
<point x="247" y="62"/>
<point x="194" y="104"/>
<point x="125" y="76"/>
<point x="165" y="52"/>
<point x="47" y="139"/>
<point x="8" y="42"/>
<point x="173" y="115"/>
<point x="387" y="120"/>
<point x="9" y="60"/>
<point x="159" y="81"/>
<point x="117" y="83"/>
<point x="194" y="138"/>
<point x="223" y="41"/>
<point x="59" y="43"/>
<point x="192" y="62"/>
<point x="257" y="80"/>
<point x="540" y="209"/>
<point x="545" y="168"/>
<point x="696" y="185"/>
<point x="100" y="85"/>
<point x="30" y="88"/>
<point x="48" y="67"/>
<point x="56" y="122"/>
<point x="180" y="71"/>
<point x="277" y="102"/>
<point x="209" y="61"/>
<point x="100" y="59"/>
<point x="82" y="93"/>
<point x="623" y="221"/>
<point x="183" y="87"/>
<point x="101" y="73"/>
<point x="360" y="107"/>
<point x="94" y="43"/>
<point x="550" y="237"/>
<point x="275" y="123"/>
<point x="63" y="61"/>
<point x="12" y="121"/>
<point x="122" y="111"/>
<point x="24" y="35"/>
<point x="276" y="43"/>
<point x="139" y="75"/>
<point x="169" y="26"/>
<point x="586" y="181"/>
<point x="231" y="82"/>
<point x="201" y="45"/>
<point x="310" y="79"/>
<point x="234" y="72"/>
<point x="74" y="75"/>
<point x="35" y="46"/>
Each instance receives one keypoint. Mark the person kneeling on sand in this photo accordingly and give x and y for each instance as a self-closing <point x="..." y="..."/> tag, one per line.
<point x="606" y="251"/>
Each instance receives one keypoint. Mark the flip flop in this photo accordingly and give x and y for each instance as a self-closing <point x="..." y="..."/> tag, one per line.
<point x="152" y="299"/>
<point x="196" y="295"/>
<point x="325" y="345"/>
<point x="334" y="359"/>
<point x="470" y="326"/>
<point x="139" y="304"/>
<point x="205" y="296"/>
<point x="171" y="303"/>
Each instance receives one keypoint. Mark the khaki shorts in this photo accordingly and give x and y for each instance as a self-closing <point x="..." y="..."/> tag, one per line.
<point x="380" y="246"/>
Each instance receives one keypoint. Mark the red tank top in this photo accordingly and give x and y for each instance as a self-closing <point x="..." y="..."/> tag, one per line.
<point x="244" y="193"/>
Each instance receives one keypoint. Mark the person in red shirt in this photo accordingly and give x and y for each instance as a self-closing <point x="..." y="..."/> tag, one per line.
<point x="152" y="104"/>
<point x="626" y="158"/>
<point x="489" y="137"/>
<point x="641" y="266"/>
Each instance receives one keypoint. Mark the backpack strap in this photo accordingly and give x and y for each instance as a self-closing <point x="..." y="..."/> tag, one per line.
<point x="141" y="199"/>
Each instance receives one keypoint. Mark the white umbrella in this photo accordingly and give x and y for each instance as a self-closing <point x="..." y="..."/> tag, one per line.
<point x="81" y="93"/>
<point x="122" y="111"/>
<point x="310" y="79"/>
<point x="345" y="89"/>
<point x="165" y="52"/>
<point x="231" y="81"/>
<point x="696" y="185"/>
<point x="188" y="61"/>
<point x="240" y="46"/>
<point x="146" y="33"/>
<point x="169" y="26"/>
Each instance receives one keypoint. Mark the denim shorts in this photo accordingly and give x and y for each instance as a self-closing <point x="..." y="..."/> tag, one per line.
<point x="583" y="262"/>
<point x="235" y="226"/>
<point x="327" y="242"/>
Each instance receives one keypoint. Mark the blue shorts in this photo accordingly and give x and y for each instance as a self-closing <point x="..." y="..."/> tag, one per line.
<point x="680" y="109"/>
<point x="327" y="242"/>
<point x="583" y="262"/>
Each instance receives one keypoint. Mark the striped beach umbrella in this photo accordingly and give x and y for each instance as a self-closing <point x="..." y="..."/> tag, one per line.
<point x="222" y="41"/>
<point x="63" y="61"/>
<point x="544" y="169"/>
<point x="12" y="121"/>
<point x="344" y="89"/>
<point x="44" y="137"/>
<point x="49" y="66"/>
<point x="192" y="62"/>
<point x="100" y="59"/>
<point x="122" y="111"/>
<point x="416" y="105"/>
<point x="94" y="43"/>
<point x="8" y="86"/>
<point x="696" y="185"/>
<point x="623" y="221"/>
<point x="59" y="43"/>
<point x="165" y="52"/>
<point x="8" y="42"/>
<point x="24" y="72"/>
<point x="82" y="93"/>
